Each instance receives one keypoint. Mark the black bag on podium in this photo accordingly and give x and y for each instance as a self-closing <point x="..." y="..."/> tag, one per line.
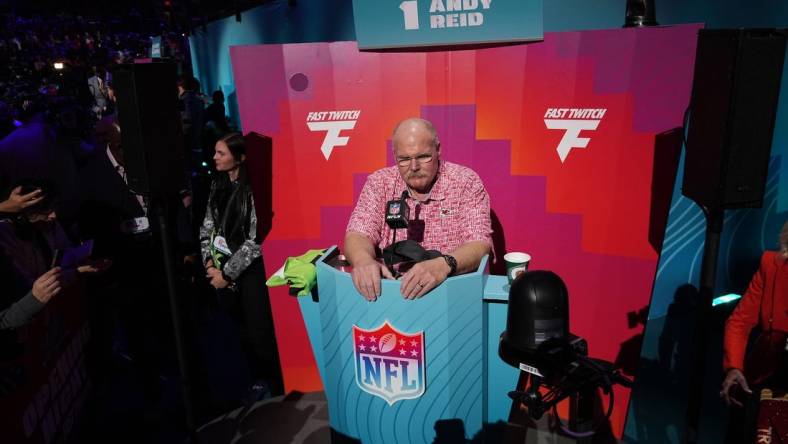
<point x="406" y="253"/>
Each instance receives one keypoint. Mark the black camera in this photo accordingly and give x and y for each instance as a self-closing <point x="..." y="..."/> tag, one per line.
<point x="538" y="342"/>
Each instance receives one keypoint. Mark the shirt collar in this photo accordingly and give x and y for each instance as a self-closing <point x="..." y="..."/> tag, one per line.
<point x="438" y="191"/>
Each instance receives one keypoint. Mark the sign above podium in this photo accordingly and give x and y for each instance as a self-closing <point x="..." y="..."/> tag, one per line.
<point x="384" y="24"/>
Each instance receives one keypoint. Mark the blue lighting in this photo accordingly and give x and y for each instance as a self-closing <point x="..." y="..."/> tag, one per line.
<point x="724" y="299"/>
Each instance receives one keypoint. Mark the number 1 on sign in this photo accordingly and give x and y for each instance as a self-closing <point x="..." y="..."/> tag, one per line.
<point x="410" y="11"/>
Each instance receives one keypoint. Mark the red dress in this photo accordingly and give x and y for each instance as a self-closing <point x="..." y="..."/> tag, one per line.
<point x="766" y="298"/>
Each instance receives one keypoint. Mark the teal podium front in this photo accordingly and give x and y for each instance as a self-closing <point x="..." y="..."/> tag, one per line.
<point x="398" y="370"/>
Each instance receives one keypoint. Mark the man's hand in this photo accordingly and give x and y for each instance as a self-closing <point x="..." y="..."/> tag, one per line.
<point x="366" y="278"/>
<point x="732" y="378"/>
<point x="366" y="269"/>
<point x="423" y="277"/>
<point x="214" y="275"/>
<point x="17" y="201"/>
<point x="47" y="285"/>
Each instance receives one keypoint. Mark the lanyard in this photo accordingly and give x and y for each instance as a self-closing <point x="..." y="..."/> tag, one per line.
<point x="122" y="172"/>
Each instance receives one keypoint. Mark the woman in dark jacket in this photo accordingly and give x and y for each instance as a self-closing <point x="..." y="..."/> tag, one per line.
<point x="230" y="246"/>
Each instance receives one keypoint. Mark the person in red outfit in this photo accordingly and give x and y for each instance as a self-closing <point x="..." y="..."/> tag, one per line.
<point x="765" y="304"/>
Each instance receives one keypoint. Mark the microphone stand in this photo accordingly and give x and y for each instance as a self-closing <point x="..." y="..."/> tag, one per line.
<point x="388" y="259"/>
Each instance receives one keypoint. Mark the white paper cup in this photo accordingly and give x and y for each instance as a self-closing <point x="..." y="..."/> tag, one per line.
<point x="516" y="264"/>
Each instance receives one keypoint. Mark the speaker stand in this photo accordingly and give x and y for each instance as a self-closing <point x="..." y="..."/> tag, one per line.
<point x="158" y="207"/>
<point x="708" y="274"/>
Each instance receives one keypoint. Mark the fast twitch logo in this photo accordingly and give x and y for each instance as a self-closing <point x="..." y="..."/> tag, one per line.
<point x="333" y="123"/>
<point x="389" y="363"/>
<point x="572" y="121"/>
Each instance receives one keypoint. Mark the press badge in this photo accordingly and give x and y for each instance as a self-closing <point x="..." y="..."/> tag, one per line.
<point x="220" y="243"/>
<point x="135" y="226"/>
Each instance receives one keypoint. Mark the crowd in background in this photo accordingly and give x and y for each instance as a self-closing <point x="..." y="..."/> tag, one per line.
<point x="30" y="47"/>
<point x="63" y="183"/>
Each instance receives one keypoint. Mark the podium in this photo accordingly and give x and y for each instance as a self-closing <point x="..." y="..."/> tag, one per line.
<point x="398" y="370"/>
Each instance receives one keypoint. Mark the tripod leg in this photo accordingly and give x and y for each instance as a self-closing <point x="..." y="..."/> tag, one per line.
<point x="519" y="420"/>
<point x="581" y="413"/>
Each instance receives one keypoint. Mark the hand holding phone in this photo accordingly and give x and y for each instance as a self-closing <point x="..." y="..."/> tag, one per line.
<point x="76" y="256"/>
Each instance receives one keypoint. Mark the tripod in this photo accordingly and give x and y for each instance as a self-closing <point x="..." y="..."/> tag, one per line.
<point x="534" y="395"/>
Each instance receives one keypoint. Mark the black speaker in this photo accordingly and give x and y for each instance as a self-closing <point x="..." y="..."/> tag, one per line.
<point x="150" y="126"/>
<point x="732" y="111"/>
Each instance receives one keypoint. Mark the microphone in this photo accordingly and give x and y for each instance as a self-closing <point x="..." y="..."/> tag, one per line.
<point x="397" y="212"/>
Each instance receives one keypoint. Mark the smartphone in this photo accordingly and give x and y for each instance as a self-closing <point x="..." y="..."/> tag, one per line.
<point x="57" y="258"/>
<point x="76" y="256"/>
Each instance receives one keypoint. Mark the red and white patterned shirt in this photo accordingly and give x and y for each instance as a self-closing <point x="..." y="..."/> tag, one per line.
<point x="456" y="211"/>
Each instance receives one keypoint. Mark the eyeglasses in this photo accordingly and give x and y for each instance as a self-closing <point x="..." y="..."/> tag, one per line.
<point x="420" y="159"/>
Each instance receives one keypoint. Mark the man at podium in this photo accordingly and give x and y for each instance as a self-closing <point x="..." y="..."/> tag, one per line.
<point x="448" y="208"/>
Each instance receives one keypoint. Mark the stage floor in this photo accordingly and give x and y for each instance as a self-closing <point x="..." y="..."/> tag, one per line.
<point x="303" y="418"/>
<point x="293" y="418"/>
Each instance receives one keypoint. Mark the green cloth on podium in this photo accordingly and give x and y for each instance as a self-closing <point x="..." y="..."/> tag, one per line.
<point x="299" y="272"/>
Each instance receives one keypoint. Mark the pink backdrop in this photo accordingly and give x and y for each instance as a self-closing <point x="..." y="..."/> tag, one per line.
<point x="591" y="218"/>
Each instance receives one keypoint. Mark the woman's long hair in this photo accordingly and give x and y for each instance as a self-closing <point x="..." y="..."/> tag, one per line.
<point x="235" y="201"/>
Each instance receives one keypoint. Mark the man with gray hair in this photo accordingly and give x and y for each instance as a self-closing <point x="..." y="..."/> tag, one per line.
<point x="450" y="211"/>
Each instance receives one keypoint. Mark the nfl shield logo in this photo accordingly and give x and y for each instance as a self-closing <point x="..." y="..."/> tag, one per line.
<point x="390" y="363"/>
